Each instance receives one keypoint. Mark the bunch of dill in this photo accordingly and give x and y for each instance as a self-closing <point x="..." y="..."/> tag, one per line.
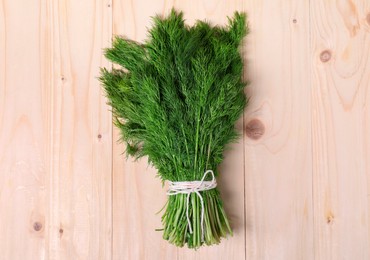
<point x="176" y="99"/>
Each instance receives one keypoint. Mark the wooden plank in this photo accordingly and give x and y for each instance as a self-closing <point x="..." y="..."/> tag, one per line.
<point x="137" y="193"/>
<point x="340" y="128"/>
<point x="81" y="169"/>
<point x="295" y="187"/>
<point x="278" y="156"/>
<point x="24" y="102"/>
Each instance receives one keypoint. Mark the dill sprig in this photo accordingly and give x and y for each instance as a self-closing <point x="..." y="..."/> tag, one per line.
<point x="176" y="99"/>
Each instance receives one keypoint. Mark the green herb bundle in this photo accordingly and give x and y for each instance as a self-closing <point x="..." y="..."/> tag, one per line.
<point x="176" y="99"/>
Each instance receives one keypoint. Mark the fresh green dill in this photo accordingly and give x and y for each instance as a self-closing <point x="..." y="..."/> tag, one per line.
<point x="176" y="99"/>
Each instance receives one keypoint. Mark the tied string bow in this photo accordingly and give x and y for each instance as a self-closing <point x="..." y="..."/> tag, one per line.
<point x="188" y="187"/>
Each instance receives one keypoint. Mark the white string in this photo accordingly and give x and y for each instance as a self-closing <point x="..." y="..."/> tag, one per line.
<point x="188" y="187"/>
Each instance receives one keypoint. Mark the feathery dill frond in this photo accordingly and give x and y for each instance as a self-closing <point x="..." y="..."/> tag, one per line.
<point x="176" y="99"/>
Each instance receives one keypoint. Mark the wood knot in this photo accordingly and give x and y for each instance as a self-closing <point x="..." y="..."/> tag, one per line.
<point x="329" y="218"/>
<point x="325" y="56"/>
<point x="368" y="18"/>
<point x="255" y="129"/>
<point x="37" y="226"/>
<point x="61" y="231"/>
<point x="99" y="136"/>
<point x="294" y="20"/>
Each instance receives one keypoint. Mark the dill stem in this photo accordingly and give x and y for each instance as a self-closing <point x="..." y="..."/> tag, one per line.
<point x="196" y="143"/>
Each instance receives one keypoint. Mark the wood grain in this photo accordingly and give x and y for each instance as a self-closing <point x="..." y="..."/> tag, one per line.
<point x="81" y="195"/>
<point x="278" y="170"/>
<point x="56" y="132"/>
<point x="24" y="102"/>
<point x="295" y="186"/>
<point x="340" y="128"/>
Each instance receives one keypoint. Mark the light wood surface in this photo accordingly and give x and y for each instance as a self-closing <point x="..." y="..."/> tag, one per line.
<point x="295" y="186"/>
<point x="278" y="165"/>
<point x="340" y="64"/>
<point x="56" y="131"/>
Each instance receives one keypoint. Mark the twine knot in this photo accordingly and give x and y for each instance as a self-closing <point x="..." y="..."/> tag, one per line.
<point x="188" y="187"/>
